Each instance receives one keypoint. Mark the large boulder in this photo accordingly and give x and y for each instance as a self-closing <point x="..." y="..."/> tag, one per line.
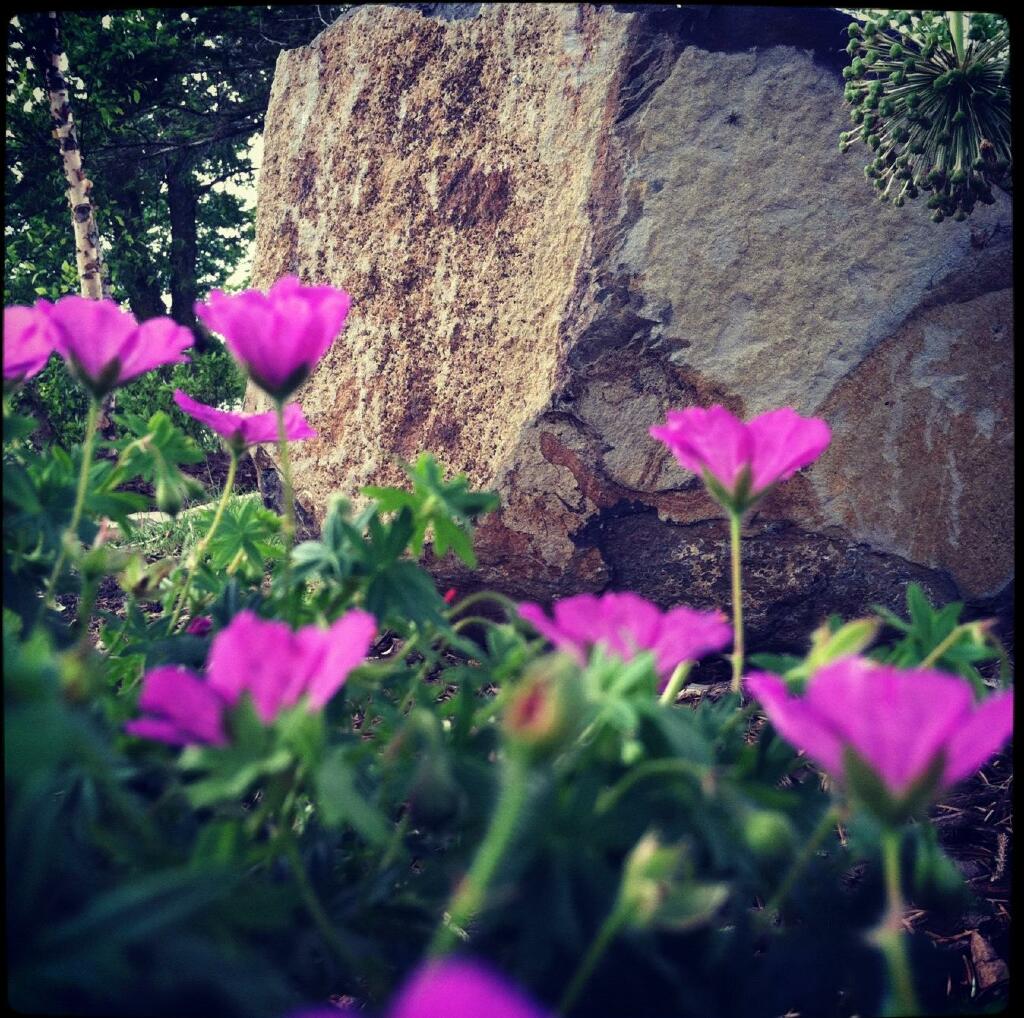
<point x="558" y="221"/>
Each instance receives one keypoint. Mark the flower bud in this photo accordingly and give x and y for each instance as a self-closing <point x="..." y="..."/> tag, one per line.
<point x="546" y="705"/>
<point x="769" y="835"/>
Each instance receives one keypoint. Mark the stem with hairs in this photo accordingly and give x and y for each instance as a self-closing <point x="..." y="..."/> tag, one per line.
<point x="737" y="601"/>
<point x="71" y="533"/>
<point x="200" y="549"/>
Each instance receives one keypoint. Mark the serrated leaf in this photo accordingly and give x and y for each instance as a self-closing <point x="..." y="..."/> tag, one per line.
<point x="340" y="802"/>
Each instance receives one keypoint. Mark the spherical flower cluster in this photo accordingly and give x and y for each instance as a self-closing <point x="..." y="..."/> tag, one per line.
<point x="933" y="108"/>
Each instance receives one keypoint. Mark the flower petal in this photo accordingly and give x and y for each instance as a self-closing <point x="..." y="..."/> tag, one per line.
<point x="979" y="737"/>
<point x="783" y="442"/>
<point x="797" y="722"/>
<point x="346" y="644"/>
<point x="180" y="698"/>
<point x="711" y="439"/>
<point x="460" y="989"/>
<point x="28" y="340"/>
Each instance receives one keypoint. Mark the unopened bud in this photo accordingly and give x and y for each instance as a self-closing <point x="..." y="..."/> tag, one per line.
<point x="546" y="706"/>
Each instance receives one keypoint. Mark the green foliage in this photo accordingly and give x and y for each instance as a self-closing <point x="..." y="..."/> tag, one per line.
<point x="166" y="104"/>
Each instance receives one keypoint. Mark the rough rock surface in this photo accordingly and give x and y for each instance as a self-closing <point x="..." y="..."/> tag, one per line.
<point x="558" y="221"/>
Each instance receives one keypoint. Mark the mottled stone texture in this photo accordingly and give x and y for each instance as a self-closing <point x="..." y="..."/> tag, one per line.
<point x="558" y="221"/>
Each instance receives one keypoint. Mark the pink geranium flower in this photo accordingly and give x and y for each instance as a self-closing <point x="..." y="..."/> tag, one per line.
<point x="274" y="664"/>
<point x="106" y="347"/>
<point x="200" y="625"/>
<point x="185" y="709"/>
<point x="280" y="335"/>
<point x="452" y="988"/>
<point x="242" y="430"/>
<point x="897" y="721"/>
<point x="626" y="624"/>
<point x="738" y="461"/>
<point x="28" y="341"/>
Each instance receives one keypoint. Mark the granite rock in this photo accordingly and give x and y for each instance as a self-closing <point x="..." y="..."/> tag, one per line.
<point x="558" y="221"/>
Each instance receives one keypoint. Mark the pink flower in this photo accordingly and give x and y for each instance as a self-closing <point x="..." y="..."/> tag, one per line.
<point x="277" y="665"/>
<point x="896" y="720"/>
<point x="738" y="461"/>
<point x="28" y="341"/>
<point x="274" y="664"/>
<point x="281" y="335"/>
<point x="200" y="625"/>
<point x="241" y="430"/>
<point x="453" y="988"/>
<point x="186" y="709"/>
<point x="107" y="347"/>
<point x="627" y="623"/>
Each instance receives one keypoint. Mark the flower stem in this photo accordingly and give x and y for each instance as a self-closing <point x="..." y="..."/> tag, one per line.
<point x="469" y="895"/>
<point x="83" y="483"/>
<point x="940" y="648"/>
<point x="312" y="902"/>
<point x="737" y="601"/>
<point x="609" y="930"/>
<point x="286" y="481"/>
<point x="827" y="822"/>
<point x="200" y="549"/>
<point x="956" y="30"/>
<point x="890" y="939"/>
<point x="676" y="682"/>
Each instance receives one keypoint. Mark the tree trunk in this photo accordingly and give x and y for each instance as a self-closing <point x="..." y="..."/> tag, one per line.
<point x="83" y="221"/>
<point x="182" y="206"/>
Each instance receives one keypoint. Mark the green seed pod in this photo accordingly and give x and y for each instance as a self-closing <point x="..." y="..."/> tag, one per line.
<point x="898" y="201"/>
<point x="858" y="66"/>
<point x="871" y="56"/>
<point x="769" y="835"/>
<point x="934" y="201"/>
<point x="937" y="216"/>
<point x="909" y="64"/>
<point x="870" y="29"/>
<point x="901" y="134"/>
<point x="881" y="184"/>
<point x="853" y="29"/>
<point x="885" y="107"/>
<point x="903" y="17"/>
<point x="937" y="177"/>
<point x="896" y="51"/>
<point x="912" y="99"/>
<point x="959" y="117"/>
<point x="857" y="116"/>
<point x="912" y="192"/>
<point x="941" y="81"/>
<point x="871" y="102"/>
<point x="852" y="46"/>
<point x="898" y="77"/>
<point x="849" y="73"/>
<point x="869" y="172"/>
<point x="959" y="216"/>
<point x="958" y="176"/>
<point x="874" y="142"/>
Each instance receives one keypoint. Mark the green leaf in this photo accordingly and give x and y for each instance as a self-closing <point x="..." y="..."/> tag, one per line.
<point x="404" y="591"/>
<point x="340" y="802"/>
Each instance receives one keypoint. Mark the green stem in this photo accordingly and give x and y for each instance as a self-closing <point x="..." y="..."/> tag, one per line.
<point x="510" y="607"/>
<point x="939" y="649"/>
<point x="312" y="902"/>
<point x="196" y="558"/>
<point x="472" y="889"/>
<point x="676" y="682"/>
<point x="83" y="484"/>
<point x="890" y="937"/>
<point x="956" y="30"/>
<point x="609" y="930"/>
<point x="826" y="824"/>
<point x="286" y="481"/>
<point x="737" y="601"/>
<point x="649" y="768"/>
